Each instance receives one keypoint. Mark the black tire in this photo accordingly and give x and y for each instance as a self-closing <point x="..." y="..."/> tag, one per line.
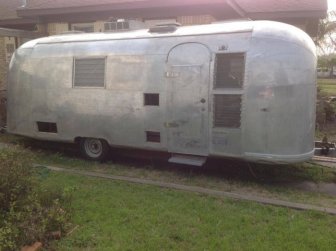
<point x="94" y="149"/>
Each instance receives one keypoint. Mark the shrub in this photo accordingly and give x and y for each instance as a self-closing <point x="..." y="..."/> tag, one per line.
<point x="28" y="213"/>
<point x="3" y="102"/>
<point x="330" y="111"/>
<point x="325" y="110"/>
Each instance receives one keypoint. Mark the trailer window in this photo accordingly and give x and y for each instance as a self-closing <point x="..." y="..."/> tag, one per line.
<point x="229" y="70"/>
<point x="89" y="72"/>
<point x="151" y="99"/>
<point x="227" y="110"/>
<point x="153" y="137"/>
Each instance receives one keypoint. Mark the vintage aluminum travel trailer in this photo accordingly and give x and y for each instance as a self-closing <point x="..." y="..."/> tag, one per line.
<point x="242" y="89"/>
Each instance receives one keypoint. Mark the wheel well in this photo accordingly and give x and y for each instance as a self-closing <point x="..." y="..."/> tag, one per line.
<point x="77" y="140"/>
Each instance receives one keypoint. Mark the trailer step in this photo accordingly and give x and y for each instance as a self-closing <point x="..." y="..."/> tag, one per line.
<point x="188" y="159"/>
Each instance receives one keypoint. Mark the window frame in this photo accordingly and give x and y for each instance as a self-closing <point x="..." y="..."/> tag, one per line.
<point x="83" y="25"/>
<point x="115" y="23"/>
<point x="215" y="71"/>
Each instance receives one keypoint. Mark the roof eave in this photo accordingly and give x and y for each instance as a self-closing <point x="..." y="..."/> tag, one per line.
<point x="131" y="6"/>
<point x="320" y="14"/>
<point x="20" y="33"/>
<point x="18" y="21"/>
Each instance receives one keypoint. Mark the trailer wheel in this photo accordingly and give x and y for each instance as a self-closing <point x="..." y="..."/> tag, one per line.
<point x="94" y="149"/>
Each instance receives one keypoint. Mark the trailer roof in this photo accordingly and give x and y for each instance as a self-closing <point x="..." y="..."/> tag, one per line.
<point x="272" y="29"/>
<point x="224" y="27"/>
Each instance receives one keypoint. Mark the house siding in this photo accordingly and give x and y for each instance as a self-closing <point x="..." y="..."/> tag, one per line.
<point x="3" y="64"/>
<point x="3" y="80"/>
<point x="57" y="28"/>
<point x="194" y="20"/>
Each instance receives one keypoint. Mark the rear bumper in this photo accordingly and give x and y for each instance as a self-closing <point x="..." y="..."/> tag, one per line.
<point x="278" y="159"/>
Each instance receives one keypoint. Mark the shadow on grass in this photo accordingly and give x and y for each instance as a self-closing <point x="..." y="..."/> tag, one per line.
<point x="229" y="169"/>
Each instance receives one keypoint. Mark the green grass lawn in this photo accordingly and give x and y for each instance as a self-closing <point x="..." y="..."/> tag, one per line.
<point x="120" y="216"/>
<point x="272" y="181"/>
<point x="110" y="215"/>
<point x="327" y="86"/>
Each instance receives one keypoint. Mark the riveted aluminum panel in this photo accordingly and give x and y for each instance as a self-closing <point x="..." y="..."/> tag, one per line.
<point x="187" y="80"/>
<point x="278" y="91"/>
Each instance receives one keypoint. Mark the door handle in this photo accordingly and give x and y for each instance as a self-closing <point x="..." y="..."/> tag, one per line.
<point x="203" y="100"/>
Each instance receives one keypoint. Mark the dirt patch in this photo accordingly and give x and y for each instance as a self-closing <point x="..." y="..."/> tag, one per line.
<point x="326" y="188"/>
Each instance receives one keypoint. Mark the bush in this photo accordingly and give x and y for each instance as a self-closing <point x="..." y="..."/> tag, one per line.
<point x="325" y="110"/>
<point x="28" y="213"/>
<point x="330" y="111"/>
<point x="3" y="102"/>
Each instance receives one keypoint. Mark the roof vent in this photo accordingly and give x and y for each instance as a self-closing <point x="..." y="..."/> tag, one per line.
<point x="164" y="28"/>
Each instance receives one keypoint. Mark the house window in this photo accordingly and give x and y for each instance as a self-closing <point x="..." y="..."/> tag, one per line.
<point x="84" y="27"/>
<point x="229" y="70"/>
<point x="10" y="48"/>
<point x="227" y="110"/>
<point x="118" y="25"/>
<point x="153" y="137"/>
<point x="151" y="99"/>
<point x="89" y="72"/>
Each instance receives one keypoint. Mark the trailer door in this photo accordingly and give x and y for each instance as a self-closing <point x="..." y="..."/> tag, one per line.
<point x="188" y="67"/>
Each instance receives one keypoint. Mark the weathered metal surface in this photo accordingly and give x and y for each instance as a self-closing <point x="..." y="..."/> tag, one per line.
<point x="188" y="159"/>
<point x="278" y="93"/>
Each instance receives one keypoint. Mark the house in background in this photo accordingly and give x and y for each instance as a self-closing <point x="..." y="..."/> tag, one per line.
<point x="26" y="19"/>
<point x="13" y="32"/>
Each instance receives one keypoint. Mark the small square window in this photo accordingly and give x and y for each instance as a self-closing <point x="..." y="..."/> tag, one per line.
<point x="126" y="25"/>
<point x="151" y="99"/>
<point x="10" y="48"/>
<point x="229" y="70"/>
<point x="119" y="25"/>
<point x="153" y="137"/>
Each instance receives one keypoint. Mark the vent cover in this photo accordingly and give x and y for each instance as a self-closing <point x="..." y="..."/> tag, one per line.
<point x="89" y="72"/>
<point x="153" y="136"/>
<point x="151" y="99"/>
<point x="227" y="110"/>
<point x="164" y="28"/>
<point x="46" y="127"/>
